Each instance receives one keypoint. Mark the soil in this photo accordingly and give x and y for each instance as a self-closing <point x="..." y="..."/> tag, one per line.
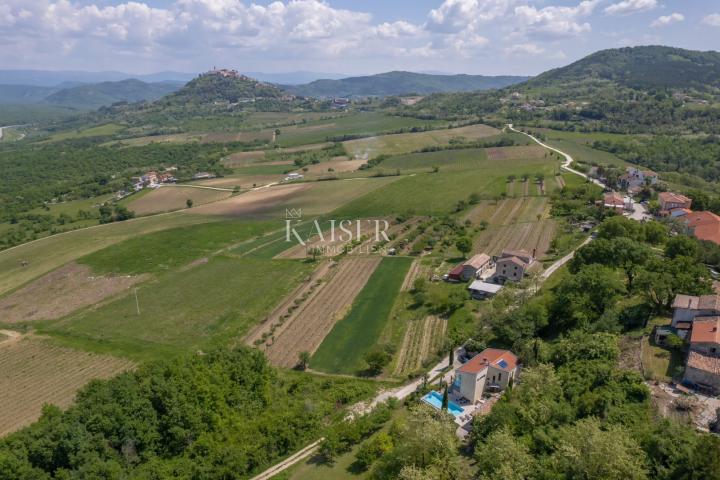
<point x="252" y="203"/>
<point x="61" y="292"/>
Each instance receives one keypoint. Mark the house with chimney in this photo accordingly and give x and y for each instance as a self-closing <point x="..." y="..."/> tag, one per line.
<point x="489" y="371"/>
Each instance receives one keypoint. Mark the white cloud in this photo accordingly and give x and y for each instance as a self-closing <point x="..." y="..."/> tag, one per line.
<point x="554" y="21"/>
<point x="456" y="15"/>
<point x="666" y="20"/>
<point x="630" y="6"/>
<point x="712" y="20"/>
<point x="397" y="29"/>
<point x="525" y="49"/>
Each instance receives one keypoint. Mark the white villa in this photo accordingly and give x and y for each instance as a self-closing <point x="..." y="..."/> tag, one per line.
<point x="491" y="369"/>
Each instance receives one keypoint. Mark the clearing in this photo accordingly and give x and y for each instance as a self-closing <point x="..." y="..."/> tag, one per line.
<point x="61" y="292"/>
<point x="351" y="338"/>
<point x="305" y="328"/>
<point x="34" y="372"/>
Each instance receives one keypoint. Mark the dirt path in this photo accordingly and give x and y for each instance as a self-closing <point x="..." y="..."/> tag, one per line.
<point x="412" y="274"/>
<point x="307" y="326"/>
<point x="526" y="188"/>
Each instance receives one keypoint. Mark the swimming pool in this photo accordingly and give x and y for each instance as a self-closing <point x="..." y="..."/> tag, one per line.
<point x="435" y="399"/>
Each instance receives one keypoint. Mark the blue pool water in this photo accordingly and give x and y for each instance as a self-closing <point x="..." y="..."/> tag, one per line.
<point x="435" y="399"/>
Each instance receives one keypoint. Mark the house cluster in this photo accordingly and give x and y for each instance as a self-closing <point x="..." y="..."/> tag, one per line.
<point x="154" y="179"/>
<point x="340" y="103"/>
<point x="226" y="73"/>
<point x="696" y="319"/>
<point x="616" y="201"/>
<point x="489" y="274"/>
<point x="635" y="179"/>
<point x="702" y="225"/>
<point x="490" y="371"/>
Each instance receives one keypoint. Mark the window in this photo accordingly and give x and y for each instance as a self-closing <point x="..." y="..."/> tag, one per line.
<point x="499" y="377"/>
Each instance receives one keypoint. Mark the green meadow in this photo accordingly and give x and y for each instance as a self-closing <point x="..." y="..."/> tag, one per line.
<point x="352" y="337"/>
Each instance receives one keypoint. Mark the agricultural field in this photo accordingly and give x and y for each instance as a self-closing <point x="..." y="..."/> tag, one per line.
<point x="214" y="301"/>
<point x="401" y="143"/>
<point x="36" y="372"/>
<point x="306" y="327"/>
<point x="424" y="337"/>
<point x="99" y="131"/>
<point x="170" y="198"/>
<point x="360" y="124"/>
<point x="26" y="262"/>
<point x="61" y="292"/>
<point x="351" y="338"/>
<point x="510" y="153"/>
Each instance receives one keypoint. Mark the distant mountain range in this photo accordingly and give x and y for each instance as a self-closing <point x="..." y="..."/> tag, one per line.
<point x="401" y="83"/>
<point x="87" y="97"/>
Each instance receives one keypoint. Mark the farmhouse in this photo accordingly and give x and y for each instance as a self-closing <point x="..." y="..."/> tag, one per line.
<point x="480" y="289"/>
<point x="615" y="200"/>
<point x="688" y="308"/>
<point x="512" y="266"/>
<point x="704" y="226"/>
<point x="491" y="369"/>
<point x="476" y="266"/>
<point x="703" y="362"/>
<point x="635" y="178"/>
<point x="669" y="201"/>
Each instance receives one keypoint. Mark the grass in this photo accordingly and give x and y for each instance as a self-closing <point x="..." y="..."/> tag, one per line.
<point x="166" y="199"/>
<point x="445" y="160"/>
<point x="360" y="124"/>
<point x="402" y="143"/>
<point x="439" y="193"/>
<point x="265" y="170"/>
<point x="343" y="349"/>
<point x="660" y="363"/>
<point x="186" y="310"/>
<point x="99" y="131"/>
<point x="169" y="249"/>
<point x="23" y="263"/>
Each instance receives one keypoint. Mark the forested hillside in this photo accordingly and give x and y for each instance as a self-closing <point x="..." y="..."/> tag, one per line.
<point x="401" y="83"/>
<point x="90" y="97"/>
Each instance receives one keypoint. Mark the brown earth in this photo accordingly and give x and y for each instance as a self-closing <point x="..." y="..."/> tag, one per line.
<point x="168" y="199"/>
<point x="252" y="203"/>
<point x="245" y="182"/>
<point x="61" y="292"/>
<point x="34" y="372"/>
<point x="307" y="326"/>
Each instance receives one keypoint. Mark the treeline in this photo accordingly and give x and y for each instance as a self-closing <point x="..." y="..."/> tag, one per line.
<point x="76" y="169"/>
<point x="697" y="156"/>
<point x="224" y="414"/>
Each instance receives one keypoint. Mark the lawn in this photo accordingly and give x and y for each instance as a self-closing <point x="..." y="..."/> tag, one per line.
<point x="343" y="349"/>
<point x="23" y="263"/>
<point x="169" y="249"/>
<point x="185" y="310"/>
<point x="661" y="363"/>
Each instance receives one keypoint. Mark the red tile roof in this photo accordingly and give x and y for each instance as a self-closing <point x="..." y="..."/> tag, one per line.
<point x="672" y="197"/>
<point x="478" y="261"/>
<point x="455" y="272"/>
<point x="705" y="226"/>
<point x="706" y="363"/>
<point x="706" y="330"/>
<point x="503" y="360"/>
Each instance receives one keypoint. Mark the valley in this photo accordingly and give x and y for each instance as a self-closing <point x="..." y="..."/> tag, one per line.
<point x="215" y="278"/>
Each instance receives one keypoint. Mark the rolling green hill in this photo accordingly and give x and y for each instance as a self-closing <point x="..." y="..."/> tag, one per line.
<point x="209" y="88"/>
<point x="645" y="67"/>
<point x="90" y="97"/>
<point x="400" y="83"/>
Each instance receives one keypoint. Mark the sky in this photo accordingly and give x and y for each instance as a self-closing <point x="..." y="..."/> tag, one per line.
<point x="491" y="37"/>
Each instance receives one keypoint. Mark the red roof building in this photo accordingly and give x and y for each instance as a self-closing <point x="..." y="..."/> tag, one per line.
<point x="704" y="226"/>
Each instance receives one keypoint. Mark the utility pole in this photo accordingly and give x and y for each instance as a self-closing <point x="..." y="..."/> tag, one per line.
<point x="137" y="303"/>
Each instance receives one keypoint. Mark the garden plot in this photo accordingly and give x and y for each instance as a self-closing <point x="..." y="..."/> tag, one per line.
<point x="423" y="339"/>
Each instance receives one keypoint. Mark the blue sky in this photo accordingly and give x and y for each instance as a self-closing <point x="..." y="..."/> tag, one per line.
<point x="353" y="37"/>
